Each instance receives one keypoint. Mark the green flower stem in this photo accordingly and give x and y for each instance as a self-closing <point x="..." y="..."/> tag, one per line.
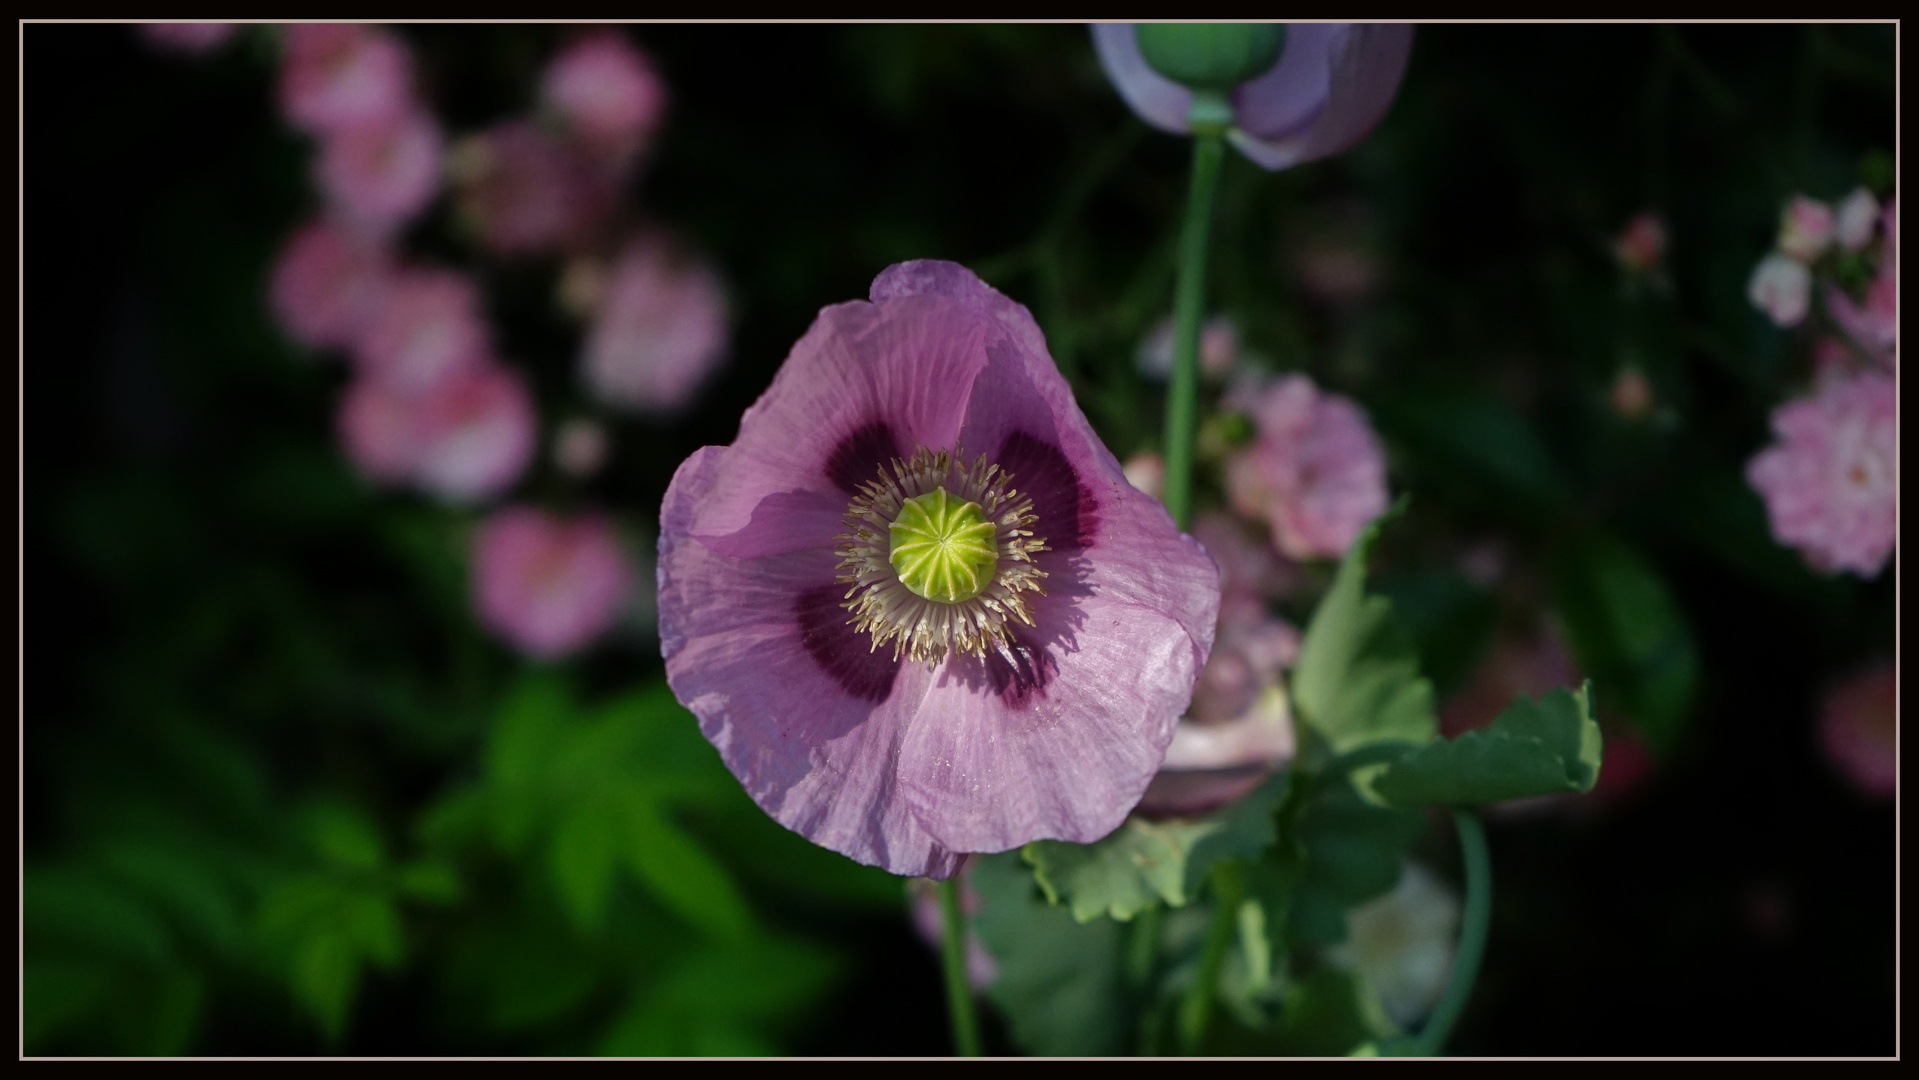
<point x="1196" y="1008"/>
<point x="1189" y="300"/>
<point x="959" y="992"/>
<point x="1472" y="936"/>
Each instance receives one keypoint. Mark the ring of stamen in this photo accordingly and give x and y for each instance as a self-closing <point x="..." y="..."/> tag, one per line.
<point x="988" y="529"/>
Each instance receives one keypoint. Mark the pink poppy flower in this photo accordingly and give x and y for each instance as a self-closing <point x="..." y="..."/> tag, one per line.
<point x="1331" y="85"/>
<point x="327" y="284"/>
<point x="335" y="76"/>
<point x="380" y="176"/>
<point x="607" y="94"/>
<point x="428" y="327"/>
<point x="1315" y="472"/>
<point x="916" y="605"/>
<point x="1782" y="288"/>
<point x="1805" y="229"/>
<point x="659" y="332"/>
<point x="527" y="193"/>
<point x="549" y="586"/>
<point x="1830" y="480"/>
<point x="188" y="38"/>
<point x="1859" y="730"/>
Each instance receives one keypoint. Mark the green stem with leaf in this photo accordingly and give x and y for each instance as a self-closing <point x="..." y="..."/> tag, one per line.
<point x="1472" y="935"/>
<point x="959" y="991"/>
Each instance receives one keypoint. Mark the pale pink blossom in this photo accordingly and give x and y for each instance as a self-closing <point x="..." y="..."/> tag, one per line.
<point x="479" y="433"/>
<point x="1315" y="472"/>
<point x="580" y="447"/>
<point x="527" y="193"/>
<point x="464" y="439"/>
<point x="380" y="176"/>
<point x="1874" y="324"/>
<point x="1782" y="288"/>
<point x="1631" y="395"/>
<point x="1147" y="472"/>
<point x="188" y="38"/>
<point x="548" y="585"/>
<point x="335" y="76"/>
<point x="428" y="327"/>
<point x="1853" y="224"/>
<point x="1830" y="480"/>
<point x="1642" y="243"/>
<point x="659" y="332"/>
<point x="1805" y="229"/>
<point x="328" y="282"/>
<point x="1859" y="729"/>
<point x="607" y="94"/>
<point x="1218" y="348"/>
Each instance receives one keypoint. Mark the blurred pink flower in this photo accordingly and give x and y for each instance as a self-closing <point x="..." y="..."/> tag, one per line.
<point x="327" y="284"/>
<point x="607" y="93"/>
<point x="380" y="175"/>
<point x="1631" y="395"/>
<point x="526" y="192"/>
<point x="463" y="439"/>
<point x="189" y="38"/>
<point x="1315" y="472"/>
<point x="1642" y="243"/>
<point x="1859" y="729"/>
<point x="549" y="586"/>
<point x="1147" y="472"/>
<point x="335" y="76"/>
<point x="1805" y="228"/>
<point x="1853" y="224"/>
<point x="1218" y="348"/>
<point x="479" y="433"/>
<point x="930" y="921"/>
<point x="1248" y="565"/>
<point x="580" y="447"/>
<point x="1874" y="325"/>
<point x="659" y="332"/>
<point x="428" y="327"/>
<point x="1830" y="480"/>
<point x="1782" y="288"/>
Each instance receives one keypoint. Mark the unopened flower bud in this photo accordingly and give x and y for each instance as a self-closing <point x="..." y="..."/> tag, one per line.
<point x="1211" y="56"/>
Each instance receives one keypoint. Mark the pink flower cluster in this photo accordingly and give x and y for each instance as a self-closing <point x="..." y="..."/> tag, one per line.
<point x="1831" y="477"/>
<point x="430" y="405"/>
<point x="1782" y="284"/>
<point x="1314" y="472"/>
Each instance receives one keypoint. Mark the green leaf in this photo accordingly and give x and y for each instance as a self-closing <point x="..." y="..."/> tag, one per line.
<point x="675" y="868"/>
<point x="1628" y="633"/>
<point x="1320" y="1015"/>
<point x="581" y="857"/>
<point x="1349" y="852"/>
<point x="723" y="1000"/>
<point x="1060" y="985"/>
<point x="1358" y="680"/>
<point x="1533" y="748"/>
<point x="430" y="881"/>
<point x="345" y="837"/>
<point x="328" y="931"/>
<point x="1146" y="862"/>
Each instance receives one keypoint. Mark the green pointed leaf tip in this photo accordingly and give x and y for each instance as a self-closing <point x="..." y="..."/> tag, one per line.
<point x="1358" y="680"/>
<point x="1211" y="56"/>
<point x="1626" y="630"/>
<point x="1147" y="862"/>
<point x="1534" y="748"/>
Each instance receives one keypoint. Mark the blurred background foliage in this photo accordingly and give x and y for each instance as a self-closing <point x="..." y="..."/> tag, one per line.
<point x="284" y="795"/>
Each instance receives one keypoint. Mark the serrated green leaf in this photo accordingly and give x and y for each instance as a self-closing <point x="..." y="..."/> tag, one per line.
<point x="1147" y="862"/>
<point x="1532" y="748"/>
<point x="1627" y="631"/>
<point x="1357" y="680"/>
<point x="1350" y="851"/>
<point x="1060" y="984"/>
